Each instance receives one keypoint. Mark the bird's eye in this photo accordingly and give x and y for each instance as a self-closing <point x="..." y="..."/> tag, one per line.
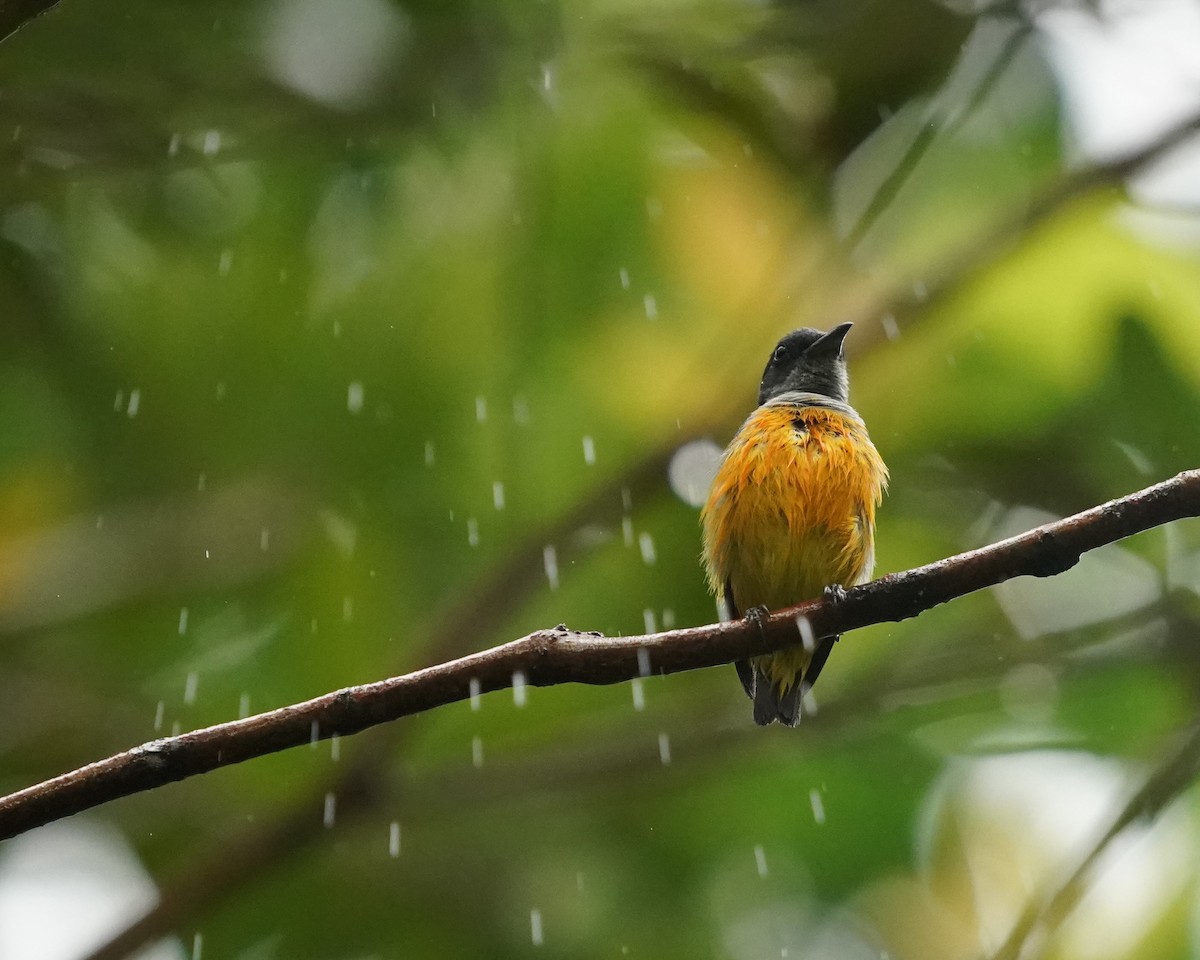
<point x="780" y="353"/>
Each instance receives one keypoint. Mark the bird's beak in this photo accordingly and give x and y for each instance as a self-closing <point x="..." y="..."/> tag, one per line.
<point x="832" y="341"/>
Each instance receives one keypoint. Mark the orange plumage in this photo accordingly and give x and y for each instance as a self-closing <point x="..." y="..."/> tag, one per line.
<point x="791" y="511"/>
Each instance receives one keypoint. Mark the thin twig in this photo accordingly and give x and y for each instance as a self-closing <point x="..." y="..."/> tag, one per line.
<point x="969" y="260"/>
<point x="938" y="120"/>
<point x="560" y="655"/>
<point x="1162" y="787"/>
<point x="247" y="854"/>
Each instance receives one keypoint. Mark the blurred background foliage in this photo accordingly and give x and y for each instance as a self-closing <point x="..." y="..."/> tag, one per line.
<point x="346" y="336"/>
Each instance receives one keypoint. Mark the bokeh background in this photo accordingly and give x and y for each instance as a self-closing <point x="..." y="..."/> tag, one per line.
<point x="342" y="337"/>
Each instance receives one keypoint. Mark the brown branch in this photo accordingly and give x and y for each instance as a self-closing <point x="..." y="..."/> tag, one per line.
<point x="252" y="849"/>
<point x="549" y="657"/>
<point x="202" y="886"/>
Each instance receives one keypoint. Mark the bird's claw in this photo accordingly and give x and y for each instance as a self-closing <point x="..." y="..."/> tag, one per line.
<point x="834" y="593"/>
<point x="757" y="615"/>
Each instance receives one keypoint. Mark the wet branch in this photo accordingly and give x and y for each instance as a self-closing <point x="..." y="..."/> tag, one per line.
<point x="549" y="657"/>
<point x="360" y="784"/>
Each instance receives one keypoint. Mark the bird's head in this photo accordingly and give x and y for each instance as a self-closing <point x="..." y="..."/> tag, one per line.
<point x="809" y="361"/>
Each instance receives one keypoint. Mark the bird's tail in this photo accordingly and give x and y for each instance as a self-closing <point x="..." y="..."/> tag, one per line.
<point x="778" y="692"/>
<point x="776" y="701"/>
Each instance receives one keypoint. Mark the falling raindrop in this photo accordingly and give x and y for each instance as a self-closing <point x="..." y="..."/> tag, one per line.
<point x="135" y="401"/>
<point x="646" y="545"/>
<point x="347" y="608"/>
<point x="183" y="620"/>
<point x="472" y="532"/>
<point x="225" y="262"/>
<point x="760" y="860"/>
<point x="643" y="659"/>
<point x="212" y="142"/>
<point x="624" y="274"/>
<point x="176" y="728"/>
<point x="244" y="706"/>
<point x="335" y="748"/>
<point x="264" y="539"/>
<point x="477" y="752"/>
<point x="807" y="640"/>
<point x="818" y="806"/>
<point x="668" y="619"/>
<point x="429" y="453"/>
<point x="220" y="389"/>
<point x="891" y="329"/>
<point x="639" y="696"/>
<point x="498" y="494"/>
<point x="159" y="713"/>
<point x="394" y="839"/>
<point x="189" y="687"/>
<point x="330" y="814"/>
<point x="314" y="733"/>
<point x="474" y="687"/>
<point x="589" y="451"/>
<point x="197" y="946"/>
<point x="481" y="408"/>
<point x="664" y="749"/>
<point x="520" y="411"/>
<point x="627" y="530"/>
<point x="648" y="621"/>
<point x="535" y="926"/>
<point x="650" y="305"/>
<point x="201" y="482"/>
<point x="119" y="401"/>
<point x="354" y="397"/>
<point x="1141" y="463"/>
<point x="518" y="688"/>
<point x="173" y="145"/>
<point x="550" y="562"/>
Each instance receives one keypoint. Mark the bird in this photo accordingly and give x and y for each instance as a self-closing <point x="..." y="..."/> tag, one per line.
<point x="790" y="515"/>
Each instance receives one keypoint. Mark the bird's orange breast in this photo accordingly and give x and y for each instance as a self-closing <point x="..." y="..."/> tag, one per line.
<point x="792" y="508"/>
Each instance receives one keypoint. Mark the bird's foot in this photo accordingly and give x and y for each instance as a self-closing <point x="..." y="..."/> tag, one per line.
<point x="835" y="593"/>
<point x="757" y="615"/>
